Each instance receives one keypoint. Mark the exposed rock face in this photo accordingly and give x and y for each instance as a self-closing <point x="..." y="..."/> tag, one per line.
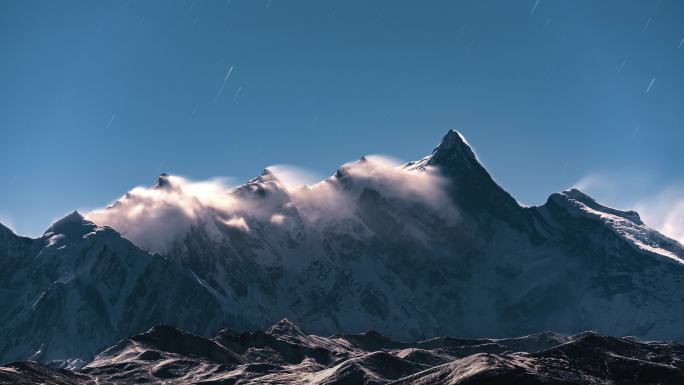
<point x="286" y="355"/>
<point x="469" y="263"/>
<point x="80" y="286"/>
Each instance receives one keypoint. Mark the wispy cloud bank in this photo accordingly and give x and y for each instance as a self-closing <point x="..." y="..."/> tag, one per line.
<point x="293" y="176"/>
<point x="662" y="209"/>
<point x="665" y="211"/>
<point x="336" y="197"/>
<point x="155" y="217"/>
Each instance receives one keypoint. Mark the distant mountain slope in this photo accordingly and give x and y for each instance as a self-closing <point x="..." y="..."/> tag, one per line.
<point x="286" y="355"/>
<point x="433" y="247"/>
<point x="79" y="287"/>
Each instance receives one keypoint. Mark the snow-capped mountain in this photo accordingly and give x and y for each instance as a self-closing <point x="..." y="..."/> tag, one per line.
<point x="433" y="247"/>
<point x="78" y="287"/>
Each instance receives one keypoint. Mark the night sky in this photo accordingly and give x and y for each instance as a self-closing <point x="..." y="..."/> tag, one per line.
<point x="97" y="97"/>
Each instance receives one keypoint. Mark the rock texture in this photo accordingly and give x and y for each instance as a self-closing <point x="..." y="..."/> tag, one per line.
<point x="286" y="355"/>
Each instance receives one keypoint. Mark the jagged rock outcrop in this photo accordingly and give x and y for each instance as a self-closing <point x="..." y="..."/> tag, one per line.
<point x="284" y="354"/>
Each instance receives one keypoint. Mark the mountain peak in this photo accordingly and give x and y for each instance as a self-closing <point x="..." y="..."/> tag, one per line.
<point x="471" y="185"/>
<point x="580" y="196"/>
<point x="159" y="332"/>
<point x="266" y="180"/>
<point x="285" y="327"/>
<point x="72" y="225"/>
<point x="162" y="182"/>
<point x="584" y="199"/>
<point x="454" y="148"/>
<point x="266" y="176"/>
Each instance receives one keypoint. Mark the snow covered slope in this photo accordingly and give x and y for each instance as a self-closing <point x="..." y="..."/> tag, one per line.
<point x="433" y="247"/>
<point x="79" y="287"/>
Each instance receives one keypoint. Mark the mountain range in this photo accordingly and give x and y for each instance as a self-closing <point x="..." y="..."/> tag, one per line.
<point x="284" y="354"/>
<point x="430" y="248"/>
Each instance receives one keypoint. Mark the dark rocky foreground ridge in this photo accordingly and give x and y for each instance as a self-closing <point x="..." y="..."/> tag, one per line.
<point x="285" y="355"/>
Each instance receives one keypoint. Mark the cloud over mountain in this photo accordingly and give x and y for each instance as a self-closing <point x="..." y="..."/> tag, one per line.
<point x="665" y="211"/>
<point x="154" y="217"/>
<point x="662" y="208"/>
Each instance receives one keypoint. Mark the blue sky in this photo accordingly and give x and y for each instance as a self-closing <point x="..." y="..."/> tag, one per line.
<point x="97" y="97"/>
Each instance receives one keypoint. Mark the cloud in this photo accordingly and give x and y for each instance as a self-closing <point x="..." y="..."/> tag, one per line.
<point x="155" y="217"/>
<point x="293" y="176"/>
<point x="621" y="189"/>
<point x="278" y="218"/>
<point x="665" y="212"/>
<point x="336" y="197"/>
<point x="384" y="160"/>
<point x="660" y="208"/>
<point x="384" y="174"/>
<point x="588" y="183"/>
<point x="238" y="223"/>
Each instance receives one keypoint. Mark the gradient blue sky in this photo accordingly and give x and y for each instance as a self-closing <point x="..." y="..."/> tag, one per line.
<point x="97" y="97"/>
